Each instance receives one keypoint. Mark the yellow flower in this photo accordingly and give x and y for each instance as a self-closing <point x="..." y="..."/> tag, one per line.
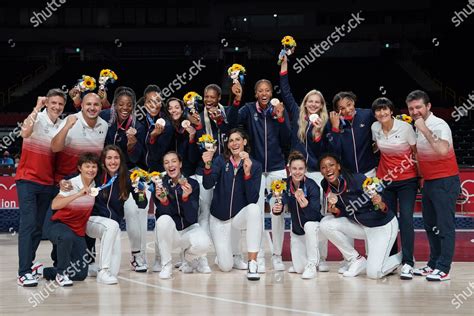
<point x="114" y="75"/>
<point x="206" y="138"/>
<point x="236" y="67"/>
<point x="190" y="95"/>
<point x="154" y="174"/>
<point x="278" y="186"/>
<point x="288" y="41"/>
<point x="367" y="182"/>
<point x="134" y="175"/>
<point x="89" y="82"/>
<point x="105" y="73"/>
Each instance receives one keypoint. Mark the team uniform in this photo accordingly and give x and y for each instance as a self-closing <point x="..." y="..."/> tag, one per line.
<point x="440" y="191"/>
<point x="358" y="219"/>
<point x="35" y="188"/>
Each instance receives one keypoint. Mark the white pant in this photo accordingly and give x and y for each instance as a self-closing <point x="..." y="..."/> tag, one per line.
<point x="248" y="218"/>
<point x="305" y="248"/>
<point x="205" y="200"/>
<point x="318" y="177"/>
<point x="193" y="240"/>
<point x="379" y="242"/>
<point x="278" y="221"/>
<point x="108" y="231"/>
<point x="137" y="224"/>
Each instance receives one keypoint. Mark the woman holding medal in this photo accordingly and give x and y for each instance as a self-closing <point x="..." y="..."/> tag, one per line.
<point x="303" y="201"/>
<point x="308" y="134"/>
<point x="236" y="180"/>
<point x="356" y="215"/>
<point x="177" y="207"/>
<point x="114" y="187"/>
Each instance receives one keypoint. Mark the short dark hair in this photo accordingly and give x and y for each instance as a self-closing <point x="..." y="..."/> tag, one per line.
<point x="56" y="92"/>
<point x="214" y="87"/>
<point x="243" y="134"/>
<point x="381" y="103"/>
<point x="88" y="157"/>
<point x="343" y="95"/>
<point x="296" y="155"/>
<point x="418" y="95"/>
<point x="151" y="88"/>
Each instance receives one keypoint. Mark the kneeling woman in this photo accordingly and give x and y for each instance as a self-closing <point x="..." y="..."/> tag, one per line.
<point x="303" y="201"/>
<point x="236" y="178"/>
<point x="177" y="207"/>
<point x="67" y="229"/>
<point x="355" y="215"/>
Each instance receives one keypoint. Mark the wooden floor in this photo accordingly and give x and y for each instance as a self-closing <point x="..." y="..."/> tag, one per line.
<point x="231" y="293"/>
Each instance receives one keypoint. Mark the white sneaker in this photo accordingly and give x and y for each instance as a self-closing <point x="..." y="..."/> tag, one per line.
<point x="252" y="273"/>
<point x="239" y="263"/>
<point x="261" y="264"/>
<point x="357" y="266"/>
<point x="406" y="272"/>
<point x="323" y="266"/>
<point x="309" y="271"/>
<point x="157" y="265"/>
<point x="93" y="270"/>
<point x="27" y="280"/>
<point x="166" y="271"/>
<point x="138" y="263"/>
<point x="344" y="266"/>
<point x="63" y="280"/>
<point x="277" y="263"/>
<point x="187" y="267"/>
<point x="291" y="269"/>
<point x="37" y="270"/>
<point x="104" y="276"/>
<point x="202" y="265"/>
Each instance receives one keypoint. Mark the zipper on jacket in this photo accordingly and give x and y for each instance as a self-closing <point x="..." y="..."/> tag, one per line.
<point x="231" y="198"/>
<point x="265" y="141"/>
<point x="179" y="209"/>
<point x="355" y="150"/>
<point x="306" y="144"/>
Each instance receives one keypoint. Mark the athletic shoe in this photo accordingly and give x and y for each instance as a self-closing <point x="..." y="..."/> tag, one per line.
<point x="63" y="280"/>
<point x="239" y="263"/>
<point x="323" y="266"/>
<point x="277" y="263"/>
<point x="202" y="265"/>
<point x="261" y="264"/>
<point x="252" y="273"/>
<point x="357" y="267"/>
<point x="187" y="267"/>
<point x="166" y="271"/>
<point x="406" y="272"/>
<point x="93" y="270"/>
<point x="37" y="270"/>
<point x="157" y="265"/>
<point x="138" y="264"/>
<point x="104" y="276"/>
<point x="438" y="275"/>
<point x="343" y="267"/>
<point x="424" y="271"/>
<point x="291" y="269"/>
<point x="27" y="280"/>
<point x="309" y="271"/>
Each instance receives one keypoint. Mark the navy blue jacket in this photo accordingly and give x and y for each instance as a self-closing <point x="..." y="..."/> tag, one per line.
<point x="353" y="143"/>
<point x="219" y="132"/>
<point x="183" y="213"/>
<point x="232" y="192"/>
<point x="108" y="203"/>
<point x="311" y="148"/>
<point x="356" y="205"/>
<point x="116" y="135"/>
<point x="189" y="151"/>
<point x="156" y="148"/>
<point x="311" y="213"/>
<point x="268" y="136"/>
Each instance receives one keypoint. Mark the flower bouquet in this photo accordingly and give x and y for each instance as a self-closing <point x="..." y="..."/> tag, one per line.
<point x="86" y="83"/>
<point x="236" y="72"/>
<point x="106" y="76"/>
<point x="405" y="118"/>
<point x="191" y="101"/>
<point x="289" y="45"/>
<point x="140" y="179"/>
<point x="278" y="187"/>
<point x="372" y="186"/>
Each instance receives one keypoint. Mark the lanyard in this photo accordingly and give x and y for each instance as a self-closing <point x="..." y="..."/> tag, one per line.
<point x="337" y="190"/>
<point x="127" y="125"/>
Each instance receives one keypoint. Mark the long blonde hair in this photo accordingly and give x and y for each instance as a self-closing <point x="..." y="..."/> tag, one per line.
<point x="302" y="120"/>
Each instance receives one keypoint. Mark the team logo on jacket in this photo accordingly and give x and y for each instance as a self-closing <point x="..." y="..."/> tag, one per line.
<point x="255" y="116"/>
<point x="362" y="125"/>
